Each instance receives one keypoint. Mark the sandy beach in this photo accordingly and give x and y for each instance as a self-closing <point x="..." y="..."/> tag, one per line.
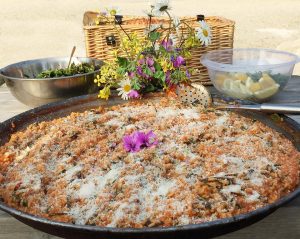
<point x="43" y="28"/>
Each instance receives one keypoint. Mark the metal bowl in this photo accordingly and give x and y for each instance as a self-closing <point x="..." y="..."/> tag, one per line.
<point x="23" y="84"/>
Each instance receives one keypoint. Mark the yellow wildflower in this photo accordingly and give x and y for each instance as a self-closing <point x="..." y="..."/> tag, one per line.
<point x="165" y="64"/>
<point x="104" y="93"/>
<point x="190" y="42"/>
<point x="100" y="80"/>
<point x="113" y="11"/>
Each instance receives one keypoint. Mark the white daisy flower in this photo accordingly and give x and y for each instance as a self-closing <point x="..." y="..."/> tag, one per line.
<point x="153" y="27"/>
<point x="149" y="13"/>
<point x="160" y="6"/>
<point x="125" y="88"/>
<point x="112" y="11"/>
<point x="203" y="33"/>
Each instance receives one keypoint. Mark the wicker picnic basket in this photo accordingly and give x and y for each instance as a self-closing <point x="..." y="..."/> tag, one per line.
<point x="97" y="46"/>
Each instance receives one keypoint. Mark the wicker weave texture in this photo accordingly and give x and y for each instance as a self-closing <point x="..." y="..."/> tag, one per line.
<point x="96" y="46"/>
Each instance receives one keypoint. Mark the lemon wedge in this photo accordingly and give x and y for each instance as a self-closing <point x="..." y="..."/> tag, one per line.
<point x="254" y="87"/>
<point x="249" y="82"/>
<point x="236" y="88"/>
<point x="267" y="92"/>
<point x="245" y="91"/>
<point x="241" y="76"/>
<point x="266" y="81"/>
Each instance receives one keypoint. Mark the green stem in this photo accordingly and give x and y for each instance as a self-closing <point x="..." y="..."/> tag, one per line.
<point x="170" y="24"/>
<point x="191" y="30"/>
<point x="181" y="39"/>
<point x="150" y="18"/>
<point x="124" y="32"/>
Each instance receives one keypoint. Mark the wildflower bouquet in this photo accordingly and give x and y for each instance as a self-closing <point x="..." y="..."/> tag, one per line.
<point x="154" y="61"/>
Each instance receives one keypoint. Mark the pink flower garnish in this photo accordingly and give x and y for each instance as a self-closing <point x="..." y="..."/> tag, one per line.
<point x="138" y="140"/>
<point x="133" y="94"/>
<point x="131" y="144"/>
<point x="146" y="140"/>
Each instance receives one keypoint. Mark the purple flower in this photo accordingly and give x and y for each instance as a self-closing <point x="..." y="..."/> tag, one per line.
<point x="133" y="94"/>
<point x="146" y="140"/>
<point x="150" y="139"/>
<point x="149" y="61"/>
<point x="167" y="44"/>
<point x="141" y="61"/>
<point x="178" y="62"/>
<point x="131" y="144"/>
<point x="138" y="140"/>
<point x="188" y="74"/>
<point x="131" y="74"/>
<point x="152" y="68"/>
<point x="139" y="70"/>
<point x="145" y="62"/>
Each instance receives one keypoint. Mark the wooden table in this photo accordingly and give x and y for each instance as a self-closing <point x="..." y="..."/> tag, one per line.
<point x="284" y="223"/>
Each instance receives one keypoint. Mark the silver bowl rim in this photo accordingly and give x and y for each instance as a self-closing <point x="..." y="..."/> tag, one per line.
<point x="49" y="59"/>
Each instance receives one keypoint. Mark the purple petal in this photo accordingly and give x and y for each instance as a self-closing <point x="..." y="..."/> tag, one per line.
<point x="131" y="74"/>
<point x="140" y="138"/>
<point x="168" y="77"/>
<point x="167" y="44"/>
<point x="149" y="61"/>
<point x="140" y="71"/>
<point x="141" y="61"/>
<point x="133" y="94"/>
<point x="152" y="69"/>
<point x="151" y="139"/>
<point x="130" y="144"/>
<point x="188" y="75"/>
<point x="178" y="62"/>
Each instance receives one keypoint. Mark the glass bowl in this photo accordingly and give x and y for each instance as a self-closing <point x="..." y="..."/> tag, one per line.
<point x="249" y="73"/>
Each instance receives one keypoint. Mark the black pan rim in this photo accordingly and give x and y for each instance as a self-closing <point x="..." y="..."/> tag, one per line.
<point x="88" y="228"/>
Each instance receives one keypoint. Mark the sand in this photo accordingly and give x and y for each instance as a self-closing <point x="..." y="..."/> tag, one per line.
<point x="45" y="28"/>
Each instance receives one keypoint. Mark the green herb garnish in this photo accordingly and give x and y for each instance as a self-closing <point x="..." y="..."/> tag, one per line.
<point x="72" y="70"/>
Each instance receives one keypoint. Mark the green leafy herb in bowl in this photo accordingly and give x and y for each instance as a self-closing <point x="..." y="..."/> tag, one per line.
<point x="74" y="69"/>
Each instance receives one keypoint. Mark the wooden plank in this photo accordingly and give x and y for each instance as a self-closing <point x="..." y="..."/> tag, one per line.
<point x="282" y="224"/>
<point x="13" y="229"/>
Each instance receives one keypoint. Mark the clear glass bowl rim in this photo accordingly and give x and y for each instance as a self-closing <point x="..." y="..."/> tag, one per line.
<point x="237" y="68"/>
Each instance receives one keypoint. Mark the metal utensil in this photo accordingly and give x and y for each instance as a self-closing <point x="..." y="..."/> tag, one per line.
<point x="198" y="94"/>
<point x="268" y="108"/>
<point x="71" y="56"/>
<point x="194" y="94"/>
